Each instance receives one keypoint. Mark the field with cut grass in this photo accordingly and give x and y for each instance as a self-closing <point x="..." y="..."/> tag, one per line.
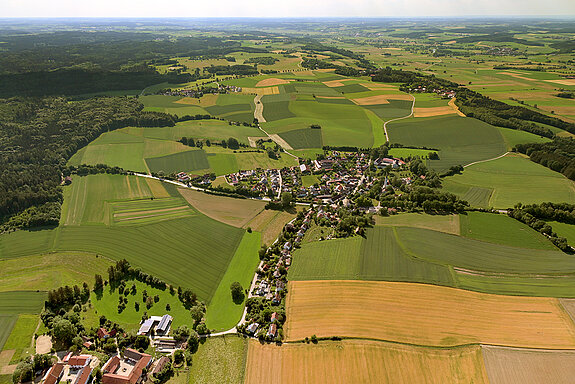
<point x="513" y="179"/>
<point x="50" y="270"/>
<point x="518" y="365"/>
<point x="355" y="361"/>
<point x="220" y="360"/>
<point x="424" y="315"/>
<point x="502" y="229"/>
<point x="235" y="212"/>
<point x="223" y="313"/>
<point x="22" y="335"/>
<point x="461" y="140"/>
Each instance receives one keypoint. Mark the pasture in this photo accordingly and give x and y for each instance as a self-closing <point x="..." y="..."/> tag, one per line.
<point x="362" y="361"/>
<point x="223" y="313"/>
<point x="502" y="229"/>
<point x="106" y="304"/>
<point x="455" y="317"/>
<point x="22" y="336"/>
<point x="461" y="140"/>
<point x="513" y="179"/>
<point x="519" y="366"/>
<point x="228" y="210"/>
<point x="220" y="360"/>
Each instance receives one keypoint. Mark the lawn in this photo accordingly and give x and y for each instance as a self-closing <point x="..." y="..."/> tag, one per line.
<point x="187" y="161"/>
<point x="220" y="360"/>
<point x="223" y="313"/>
<point x="502" y="229"/>
<point x="461" y="140"/>
<point x="513" y="179"/>
<point x="309" y="180"/>
<point x="129" y="318"/>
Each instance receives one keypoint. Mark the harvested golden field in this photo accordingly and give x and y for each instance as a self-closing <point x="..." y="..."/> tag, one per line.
<point x="424" y="314"/>
<point x="378" y="86"/>
<point x="335" y="83"/>
<point x="262" y="91"/>
<point x="205" y="101"/>
<point x="271" y="82"/>
<point x="362" y="361"/>
<point x="562" y="82"/>
<point x="560" y="110"/>
<point x="528" y="366"/>
<point x="270" y="223"/>
<point x="381" y="99"/>
<point x="157" y="188"/>
<point x="235" y="212"/>
<point x="434" y="111"/>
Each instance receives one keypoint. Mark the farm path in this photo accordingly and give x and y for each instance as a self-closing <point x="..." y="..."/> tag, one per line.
<point x="259" y="111"/>
<point x="484" y="161"/>
<point x="398" y="118"/>
<point x="259" y="115"/>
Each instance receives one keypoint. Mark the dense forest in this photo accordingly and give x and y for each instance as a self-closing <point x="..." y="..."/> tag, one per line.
<point x="39" y="135"/>
<point x="558" y="155"/>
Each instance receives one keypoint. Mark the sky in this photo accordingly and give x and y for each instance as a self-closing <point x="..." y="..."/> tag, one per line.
<point x="284" y="8"/>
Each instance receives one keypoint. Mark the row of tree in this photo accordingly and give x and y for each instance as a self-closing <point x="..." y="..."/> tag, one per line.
<point x="558" y="155"/>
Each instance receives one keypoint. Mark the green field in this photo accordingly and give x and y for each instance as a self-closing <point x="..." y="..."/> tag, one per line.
<point x="392" y="110"/>
<point x="309" y="180"/>
<point x="7" y="323"/>
<point x="21" y="302"/>
<point x="224" y="161"/>
<point x="303" y="138"/>
<point x="513" y="137"/>
<point x="50" y="270"/>
<point x="22" y="334"/>
<point x="220" y="360"/>
<point x="564" y="230"/>
<point x="427" y="256"/>
<point x="167" y="104"/>
<point x="223" y="313"/>
<point x="129" y="318"/>
<point x="461" y="140"/>
<point x="187" y="161"/>
<point x="513" y="179"/>
<point x="502" y="229"/>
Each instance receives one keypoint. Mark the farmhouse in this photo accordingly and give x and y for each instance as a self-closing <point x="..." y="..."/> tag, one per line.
<point x="159" y="324"/>
<point x="128" y="369"/>
<point x="272" y="332"/>
<point x="72" y="369"/>
<point x="252" y="328"/>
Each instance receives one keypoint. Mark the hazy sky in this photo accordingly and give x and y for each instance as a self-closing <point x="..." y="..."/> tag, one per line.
<point x="282" y="8"/>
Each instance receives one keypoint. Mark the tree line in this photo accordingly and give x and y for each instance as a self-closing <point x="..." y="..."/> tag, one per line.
<point x="558" y="155"/>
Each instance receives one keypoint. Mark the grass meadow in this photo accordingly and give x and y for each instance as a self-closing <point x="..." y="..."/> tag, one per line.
<point x="7" y="323"/>
<point x="220" y="360"/>
<point x="410" y="254"/>
<point x="513" y="179"/>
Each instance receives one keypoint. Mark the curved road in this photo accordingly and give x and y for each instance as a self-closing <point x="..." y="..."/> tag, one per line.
<point x="399" y="118"/>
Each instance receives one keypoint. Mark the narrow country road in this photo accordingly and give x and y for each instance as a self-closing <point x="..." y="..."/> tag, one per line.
<point x="399" y="118"/>
<point x="484" y="161"/>
<point x="259" y="115"/>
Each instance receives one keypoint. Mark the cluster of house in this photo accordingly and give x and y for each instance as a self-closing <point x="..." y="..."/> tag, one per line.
<point x="257" y="180"/>
<point x="128" y="368"/>
<point x="155" y="326"/>
<point x="446" y="94"/>
<point x="273" y="288"/>
<point x="203" y="91"/>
